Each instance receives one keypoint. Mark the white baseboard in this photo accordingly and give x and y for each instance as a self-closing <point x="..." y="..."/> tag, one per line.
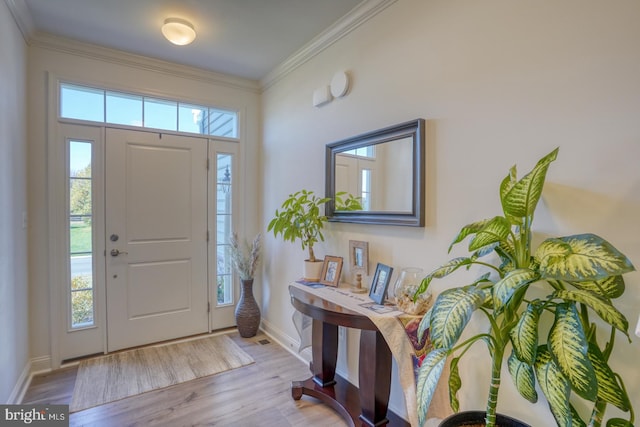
<point x="21" y="385"/>
<point x="40" y="365"/>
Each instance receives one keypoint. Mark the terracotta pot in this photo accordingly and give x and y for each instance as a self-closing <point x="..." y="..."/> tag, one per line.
<point x="476" y="418"/>
<point x="247" y="311"/>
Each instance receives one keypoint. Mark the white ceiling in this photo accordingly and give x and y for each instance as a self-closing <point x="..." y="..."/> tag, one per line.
<point x="244" y="38"/>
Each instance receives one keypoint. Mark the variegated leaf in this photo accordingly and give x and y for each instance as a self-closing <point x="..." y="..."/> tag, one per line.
<point x="524" y="336"/>
<point x="496" y="230"/>
<point x="608" y="388"/>
<point x="504" y="289"/>
<point x="611" y="287"/>
<point x="442" y="271"/>
<point x="580" y="258"/>
<point x="468" y="230"/>
<point x="484" y="251"/>
<point x="451" y="313"/>
<point x="619" y="422"/>
<point x="601" y="306"/>
<point x="554" y="386"/>
<point x="428" y="376"/>
<point x="522" y="198"/>
<point x="523" y="378"/>
<point x="576" y="419"/>
<point x="455" y="383"/>
<point x="568" y="345"/>
<point x="425" y="324"/>
<point x="509" y="181"/>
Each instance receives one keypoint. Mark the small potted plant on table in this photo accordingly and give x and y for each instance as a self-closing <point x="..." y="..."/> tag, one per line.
<point x="300" y="218"/>
<point x="582" y="275"/>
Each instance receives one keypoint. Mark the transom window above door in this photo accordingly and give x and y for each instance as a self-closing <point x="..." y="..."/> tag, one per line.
<point x="106" y="106"/>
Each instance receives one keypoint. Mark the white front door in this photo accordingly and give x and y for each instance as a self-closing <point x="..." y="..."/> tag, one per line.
<point x="156" y="237"/>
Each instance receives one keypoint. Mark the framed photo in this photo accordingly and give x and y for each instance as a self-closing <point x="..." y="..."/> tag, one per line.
<point x="359" y="256"/>
<point x="331" y="270"/>
<point x="380" y="283"/>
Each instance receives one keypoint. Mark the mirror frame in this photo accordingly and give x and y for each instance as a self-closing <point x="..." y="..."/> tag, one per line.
<point x="413" y="129"/>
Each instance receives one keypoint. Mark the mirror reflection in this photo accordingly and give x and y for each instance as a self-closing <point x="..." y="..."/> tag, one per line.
<point x="385" y="169"/>
<point x="378" y="174"/>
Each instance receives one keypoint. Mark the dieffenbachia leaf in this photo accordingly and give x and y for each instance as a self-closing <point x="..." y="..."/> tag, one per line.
<point x="580" y="258"/>
<point x="467" y="230"/>
<point x="520" y="199"/>
<point x="451" y="313"/>
<point x="442" y="271"/>
<point x="496" y="230"/>
<point x="554" y="386"/>
<point x="524" y="336"/>
<point x="428" y="376"/>
<point x="608" y="388"/>
<point x="568" y="344"/>
<point x="455" y="383"/>
<point x="523" y="378"/>
<point x="576" y="420"/>
<point x="424" y="325"/>
<point x="504" y="289"/>
<point x="601" y="306"/>
<point x="611" y="287"/>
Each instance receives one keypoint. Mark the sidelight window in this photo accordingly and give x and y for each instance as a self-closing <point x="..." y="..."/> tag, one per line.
<point x="80" y="220"/>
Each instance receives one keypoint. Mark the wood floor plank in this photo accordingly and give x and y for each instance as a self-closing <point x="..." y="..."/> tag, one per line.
<point x="255" y="395"/>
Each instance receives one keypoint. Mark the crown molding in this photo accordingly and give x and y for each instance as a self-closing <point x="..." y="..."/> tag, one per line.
<point x="364" y="11"/>
<point x="65" y="45"/>
<point x="22" y="16"/>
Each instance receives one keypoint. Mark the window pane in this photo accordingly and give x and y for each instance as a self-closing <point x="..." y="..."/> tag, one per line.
<point x="124" y="109"/>
<point x="366" y="192"/>
<point x="224" y="228"/>
<point x="160" y="114"/>
<point x="80" y="234"/>
<point x="222" y="123"/>
<point x="191" y="118"/>
<point x="224" y="290"/>
<point x="81" y="307"/>
<point x="82" y="103"/>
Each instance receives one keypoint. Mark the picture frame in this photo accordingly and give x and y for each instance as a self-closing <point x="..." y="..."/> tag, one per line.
<point x="331" y="270"/>
<point x="380" y="283"/>
<point x="359" y="256"/>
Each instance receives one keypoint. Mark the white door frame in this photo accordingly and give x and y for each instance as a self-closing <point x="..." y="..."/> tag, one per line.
<point x="57" y="215"/>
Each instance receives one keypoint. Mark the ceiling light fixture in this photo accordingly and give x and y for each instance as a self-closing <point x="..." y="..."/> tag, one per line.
<point x="178" y="31"/>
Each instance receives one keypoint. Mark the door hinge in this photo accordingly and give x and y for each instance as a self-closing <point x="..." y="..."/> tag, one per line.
<point x="208" y="307"/>
<point x="207" y="235"/>
<point x="208" y="163"/>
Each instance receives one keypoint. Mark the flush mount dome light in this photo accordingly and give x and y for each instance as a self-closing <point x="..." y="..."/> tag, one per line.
<point x="178" y="31"/>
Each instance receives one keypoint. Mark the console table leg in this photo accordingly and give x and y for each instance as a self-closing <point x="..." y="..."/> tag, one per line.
<point x="324" y="349"/>
<point x="374" y="377"/>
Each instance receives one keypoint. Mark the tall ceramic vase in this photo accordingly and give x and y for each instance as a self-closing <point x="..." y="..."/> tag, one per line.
<point x="247" y="311"/>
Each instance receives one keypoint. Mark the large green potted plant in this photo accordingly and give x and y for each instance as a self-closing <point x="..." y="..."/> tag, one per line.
<point x="301" y="218"/>
<point x="578" y="276"/>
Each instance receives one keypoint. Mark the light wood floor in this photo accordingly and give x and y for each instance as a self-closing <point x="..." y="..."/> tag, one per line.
<point x="251" y="396"/>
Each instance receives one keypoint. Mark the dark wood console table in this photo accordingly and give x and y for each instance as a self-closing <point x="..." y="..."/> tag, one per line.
<point x="366" y="406"/>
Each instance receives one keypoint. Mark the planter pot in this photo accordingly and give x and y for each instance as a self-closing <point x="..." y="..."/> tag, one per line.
<point x="312" y="270"/>
<point x="476" y="419"/>
<point x="247" y="311"/>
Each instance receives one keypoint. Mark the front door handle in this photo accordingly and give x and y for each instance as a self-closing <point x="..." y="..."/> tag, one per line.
<point x="115" y="252"/>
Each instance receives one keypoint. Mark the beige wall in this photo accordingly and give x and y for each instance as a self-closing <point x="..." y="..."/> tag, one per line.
<point x="499" y="82"/>
<point x="14" y="350"/>
<point x="115" y="70"/>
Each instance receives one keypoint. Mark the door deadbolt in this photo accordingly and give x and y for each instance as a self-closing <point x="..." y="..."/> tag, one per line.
<point x="114" y="238"/>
